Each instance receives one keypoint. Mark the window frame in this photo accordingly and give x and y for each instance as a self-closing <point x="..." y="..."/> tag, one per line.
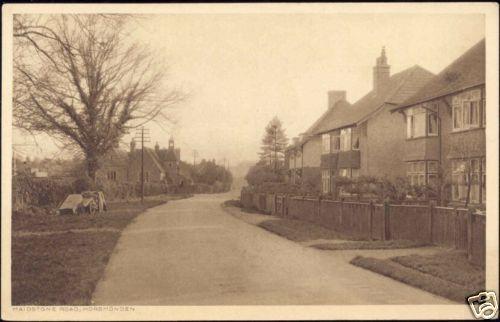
<point x="423" y="113"/>
<point x="463" y="105"/>
<point x="325" y="143"/>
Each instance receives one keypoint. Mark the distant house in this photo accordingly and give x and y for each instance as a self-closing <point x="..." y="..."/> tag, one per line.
<point x="444" y="131"/>
<point x="160" y="165"/>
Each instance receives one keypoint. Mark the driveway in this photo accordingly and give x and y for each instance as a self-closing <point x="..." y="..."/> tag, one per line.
<point x="192" y="252"/>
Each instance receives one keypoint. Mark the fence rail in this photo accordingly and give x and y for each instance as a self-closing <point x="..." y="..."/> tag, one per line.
<point x="444" y="226"/>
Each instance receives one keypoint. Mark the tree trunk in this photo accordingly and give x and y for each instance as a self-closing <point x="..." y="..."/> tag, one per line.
<point x="92" y="165"/>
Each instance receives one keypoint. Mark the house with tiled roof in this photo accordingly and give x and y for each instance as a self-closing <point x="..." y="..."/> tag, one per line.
<point x="160" y="165"/>
<point x="363" y="138"/>
<point x="444" y="130"/>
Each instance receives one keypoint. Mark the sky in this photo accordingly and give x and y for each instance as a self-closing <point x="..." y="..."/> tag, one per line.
<point x="241" y="70"/>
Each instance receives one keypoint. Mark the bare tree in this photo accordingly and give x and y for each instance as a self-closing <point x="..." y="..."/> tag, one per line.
<point x="84" y="81"/>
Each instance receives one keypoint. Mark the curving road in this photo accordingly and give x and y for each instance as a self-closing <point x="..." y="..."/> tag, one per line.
<point x="192" y="252"/>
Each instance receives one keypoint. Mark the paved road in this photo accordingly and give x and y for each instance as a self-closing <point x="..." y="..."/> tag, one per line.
<point x="191" y="252"/>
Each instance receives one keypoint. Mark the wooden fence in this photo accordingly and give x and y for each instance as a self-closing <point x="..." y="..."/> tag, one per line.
<point x="449" y="227"/>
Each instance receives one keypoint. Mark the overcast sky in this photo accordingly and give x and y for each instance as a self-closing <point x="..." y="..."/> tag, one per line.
<point x="243" y="69"/>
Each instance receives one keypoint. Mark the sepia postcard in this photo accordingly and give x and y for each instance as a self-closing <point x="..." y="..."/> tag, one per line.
<point x="251" y="161"/>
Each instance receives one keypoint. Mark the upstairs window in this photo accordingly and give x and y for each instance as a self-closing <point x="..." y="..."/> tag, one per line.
<point x="468" y="110"/>
<point x="335" y="140"/>
<point x="326" y="143"/>
<point x="422" y="121"/>
<point x="345" y="139"/>
<point x="355" y="138"/>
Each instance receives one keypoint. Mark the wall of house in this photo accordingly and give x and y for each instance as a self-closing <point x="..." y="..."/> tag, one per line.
<point x="312" y="152"/>
<point x="382" y="149"/>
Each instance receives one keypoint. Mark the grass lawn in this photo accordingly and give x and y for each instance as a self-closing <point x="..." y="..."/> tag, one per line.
<point x="376" y="244"/>
<point x="300" y="231"/>
<point x="61" y="267"/>
<point x="447" y="274"/>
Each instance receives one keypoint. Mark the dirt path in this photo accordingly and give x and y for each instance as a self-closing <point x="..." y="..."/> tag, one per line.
<point x="191" y="252"/>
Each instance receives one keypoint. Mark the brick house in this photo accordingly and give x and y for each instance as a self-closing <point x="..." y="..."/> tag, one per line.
<point x="160" y="165"/>
<point x="364" y="138"/>
<point x="444" y="130"/>
<point x="303" y="156"/>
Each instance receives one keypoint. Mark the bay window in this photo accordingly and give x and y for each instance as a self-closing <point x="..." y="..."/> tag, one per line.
<point x="467" y="110"/>
<point x="422" y="121"/>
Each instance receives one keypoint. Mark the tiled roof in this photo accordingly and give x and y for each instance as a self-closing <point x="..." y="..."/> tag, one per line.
<point x="167" y="155"/>
<point x="401" y="86"/>
<point x="466" y="71"/>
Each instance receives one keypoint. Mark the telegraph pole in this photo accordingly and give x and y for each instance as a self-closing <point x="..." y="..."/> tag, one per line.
<point x="195" y="154"/>
<point x="143" y="135"/>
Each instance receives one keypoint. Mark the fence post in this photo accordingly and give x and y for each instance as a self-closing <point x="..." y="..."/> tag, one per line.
<point x="469" y="234"/>
<point x="341" y="214"/>
<point x="387" y="227"/>
<point x="318" y="221"/>
<point x="371" y="220"/>
<point x="431" y="220"/>
<point x="275" y="204"/>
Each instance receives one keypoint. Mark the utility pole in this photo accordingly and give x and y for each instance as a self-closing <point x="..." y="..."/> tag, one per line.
<point x="143" y="135"/>
<point x="195" y="154"/>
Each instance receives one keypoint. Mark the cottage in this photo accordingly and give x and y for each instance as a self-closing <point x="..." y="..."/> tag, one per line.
<point x="444" y="132"/>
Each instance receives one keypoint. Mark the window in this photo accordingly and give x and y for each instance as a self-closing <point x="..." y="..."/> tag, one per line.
<point x="146" y="176"/>
<point x="345" y="172"/>
<point x="463" y="171"/>
<point x="348" y="172"/>
<point x="422" y="173"/>
<point x="326" y="143"/>
<point x="335" y="138"/>
<point x="432" y="124"/>
<point x="345" y="139"/>
<point x="467" y="110"/>
<point x="325" y="180"/>
<point x="432" y="173"/>
<point x="355" y="138"/>
<point x="111" y="175"/>
<point x="422" y="121"/>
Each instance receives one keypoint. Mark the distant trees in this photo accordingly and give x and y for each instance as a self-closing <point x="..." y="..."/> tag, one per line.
<point x="82" y="80"/>
<point x="274" y="144"/>
<point x="262" y="173"/>
<point x="208" y="172"/>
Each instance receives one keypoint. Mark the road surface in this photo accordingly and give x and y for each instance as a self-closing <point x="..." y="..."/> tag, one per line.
<point x="192" y="252"/>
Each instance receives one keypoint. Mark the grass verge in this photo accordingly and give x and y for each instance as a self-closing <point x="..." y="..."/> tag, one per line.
<point x="376" y="244"/>
<point x="300" y="231"/>
<point x="63" y="268"/>
<point x="427" y="277"/>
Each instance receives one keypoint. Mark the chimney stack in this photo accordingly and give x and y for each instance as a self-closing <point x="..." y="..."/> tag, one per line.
<point x="381" y="73"/>
<point x="334" y="97"/>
